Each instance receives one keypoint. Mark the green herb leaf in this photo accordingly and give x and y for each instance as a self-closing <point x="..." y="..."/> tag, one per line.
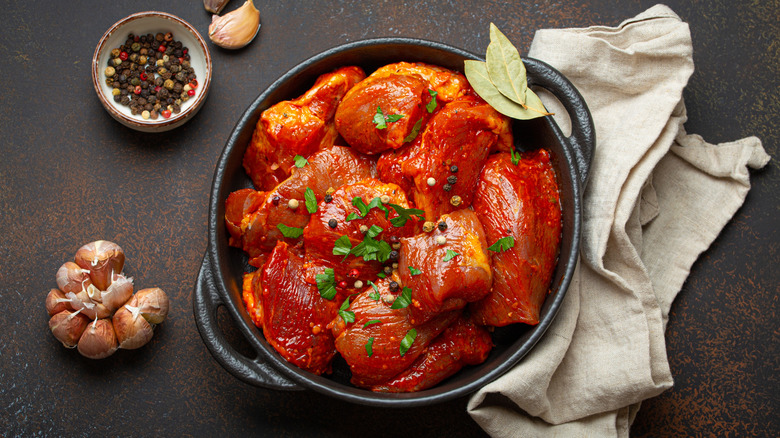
<point x="450" y="255"/>
<point x="352" y="216"/>
<point x="300" y="161"/>
<point x="502" y="244"/>
<point x="477" y="74"/>
<point x="505" y="67"/>
<point x="381" y="275"/>
<point x="347" y="315"/>
<point x="343" y="246"/>
<point x="432" y="104"/>
<point x="415" y="130"/>
<point x="370" y="346"/>
<point x="377" y="203"/>
<point x="373" y="321"/>
<point x="403" y="300"/>
<point x="325" y="284"/>
<point x="375" y="287"/>
<point x="515" y="156"/>
<point x="383" y="253"/>
<point x="311" y="200"/>
<point x="414" y="271"/>
<point x="357" y="201"/>
<point x="381" y="120"/>
<point x="291" y="232"/>
<point x="374" y="231"/>
<point x="407" y="341"/>
<point x="404" y="214"/>
<point x="375" y="296"/>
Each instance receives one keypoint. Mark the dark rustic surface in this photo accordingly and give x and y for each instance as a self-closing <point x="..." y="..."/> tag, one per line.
<point x="70" y="175"/>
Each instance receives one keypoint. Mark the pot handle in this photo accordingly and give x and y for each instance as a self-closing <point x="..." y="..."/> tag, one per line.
<point x="582" y="141"/>
<point x="205" y="302"/>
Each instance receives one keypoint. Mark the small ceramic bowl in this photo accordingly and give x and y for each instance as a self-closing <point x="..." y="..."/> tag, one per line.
<point x="143" y="23"/>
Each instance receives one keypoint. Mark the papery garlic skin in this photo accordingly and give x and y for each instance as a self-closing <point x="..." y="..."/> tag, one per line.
<point x="152" y="303"/>
<point x="102" y="258"/>
<point x="132" y="330"/>
<point x="68" y="327"/>
<point x="72" y="278"/>
<point x="98" y="340"/>
<point x="91" y="309"/>
<point x="118" y="293"/>
<point x="235" y="29"/>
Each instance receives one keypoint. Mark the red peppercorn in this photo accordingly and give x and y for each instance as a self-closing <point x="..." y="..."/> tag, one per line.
<point x="166" y="113"/>
<point x="190" y="92"/>
<point x="354" y="273"/>
<point x="137" y="89"/>
<point x="194" y="83"/>
<point x="185" y="51"/>
<point x="123" y="56"/>
<point x="342" y="284"/>
<point x="161" y="48"/>
<point x="157" y="89"/>
<point x="143" y="76"/>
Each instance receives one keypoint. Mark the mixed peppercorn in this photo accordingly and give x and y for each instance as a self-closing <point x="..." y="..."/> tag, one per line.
<point x="152" y="75"/>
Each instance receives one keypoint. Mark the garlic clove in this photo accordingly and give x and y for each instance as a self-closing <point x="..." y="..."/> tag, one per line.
<point x="68" y="327"/>
<point x="72" y="278"/>
<point x="152" y="304"/>
<point x="214" y="6"/>
<point x="237" y="28"/>
<point x="118" y="293"/>
<point x="98" y="340"/>
<point x="132" y="330"/>
<point x="56" y="302"/>
<point x="102" y="258"/>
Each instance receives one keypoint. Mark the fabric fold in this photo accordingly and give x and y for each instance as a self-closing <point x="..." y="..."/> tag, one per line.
<point x="656" y="198"/>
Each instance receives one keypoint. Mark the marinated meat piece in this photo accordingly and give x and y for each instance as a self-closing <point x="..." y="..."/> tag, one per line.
<point x="297" y="127"/>
<point x="251" y="293"/>
<point x="294" y="315"/>
<point x="373" y="248"/>
<point x="334" y="166"/>
<point x="462" y="343"/>
<point x="395" y="95"/>
<point x="239" y="206"/>
<point x="521" y="201"/>
<point x="448" y="84"/>
<point x="443" y="281"/>
<point x="383" y="328"/>
<point x="461" y="134"/>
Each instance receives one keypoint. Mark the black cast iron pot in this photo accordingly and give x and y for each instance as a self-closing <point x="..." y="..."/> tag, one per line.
<point x="219" y="280"/>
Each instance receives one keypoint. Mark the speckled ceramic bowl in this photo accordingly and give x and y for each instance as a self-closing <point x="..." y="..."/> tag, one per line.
<point x="220" y="279"/>
<point x="142" y="23"/>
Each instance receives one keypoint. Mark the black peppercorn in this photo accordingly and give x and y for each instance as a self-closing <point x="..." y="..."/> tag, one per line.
<point x="454" y="169"/>
<point x="275" y="200"/>
<point x="328" y="199"/>
<point x="447" y="187"/>
<point x="442" y="226"/>
<point x="452" y="179"/>
<point x="387" y="270"/>
<point x="393" y="255"/>
<point x="333" y="223"/>
<point x="393" y="286"/>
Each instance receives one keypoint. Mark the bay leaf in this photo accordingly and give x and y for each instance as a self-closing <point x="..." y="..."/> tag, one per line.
<point x="477" y="75"/>
<point x="533" y="103"/>
<point x="505" y="66"/>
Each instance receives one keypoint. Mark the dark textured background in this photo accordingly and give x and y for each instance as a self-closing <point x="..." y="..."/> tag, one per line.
<point x="70" y="175"/>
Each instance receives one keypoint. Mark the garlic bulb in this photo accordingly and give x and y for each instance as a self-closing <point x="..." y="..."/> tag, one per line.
<point x="235" y="29"/>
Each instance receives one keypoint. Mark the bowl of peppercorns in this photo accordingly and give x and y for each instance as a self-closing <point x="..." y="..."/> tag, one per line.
<point x="152" y="71"/>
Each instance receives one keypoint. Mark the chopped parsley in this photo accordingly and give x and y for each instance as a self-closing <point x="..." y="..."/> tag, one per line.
<point x="343" y="246"/>
<point x="413" y="133"/>
<point x="326" y="284"/>
<point x="347" y="315"/>
<point x="403" y="300"/>
<point x="404" y="214"/>
<point x="311" y="200"/>
<point x="364" y="209"/>
<point x="432" y="104"/>
<point x="373" y="321"/>
<point x="515" y="156"/>
<point x="300" y="161"/>
<point x="370" y="346"/>
<point x="450" y="255"/>
<point x="407" y="341"/>
<point x="381" y="120"/>
<point x="414" y="271"/>
<point x="502" y="244"/>
<point x="290" y="232"/>
<point x="369" y="248"/>
<point x="375" y="294"/>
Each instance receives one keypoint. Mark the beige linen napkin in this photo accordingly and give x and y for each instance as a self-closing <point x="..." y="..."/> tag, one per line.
<point x="656" y="198"/>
